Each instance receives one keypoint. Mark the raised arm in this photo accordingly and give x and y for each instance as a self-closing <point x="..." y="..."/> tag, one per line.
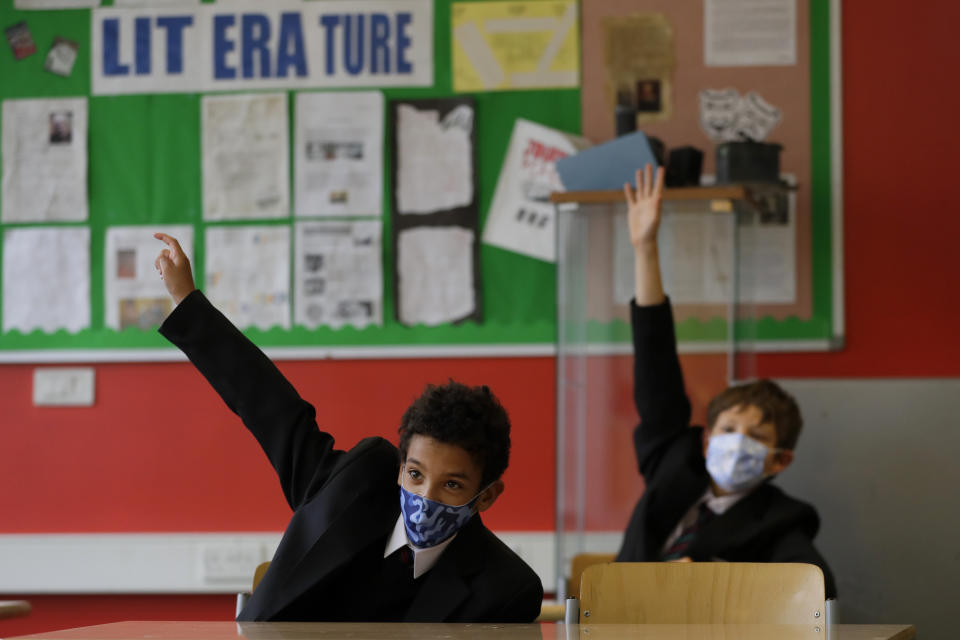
<point x="658" y="389"/>
<point x="248" y="382"/>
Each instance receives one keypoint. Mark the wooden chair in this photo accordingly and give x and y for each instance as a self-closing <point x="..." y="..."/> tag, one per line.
<point x="702" y="593"/>
<point x="558" y="612"/>
<point x="580" y="562"/>
<point x="243" y="596"/>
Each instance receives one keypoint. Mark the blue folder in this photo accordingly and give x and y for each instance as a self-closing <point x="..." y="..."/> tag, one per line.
<point x="606" y="166"/>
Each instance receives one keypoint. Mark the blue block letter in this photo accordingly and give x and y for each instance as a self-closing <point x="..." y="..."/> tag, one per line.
<point x="255" y="28"/>
<point x="353" y="39"/>
<point x="379" y="42"/>
<point x="175" y="26"/>
<point x="141" y="30"/>
<point x="221" y="47"/>
<point x="111" y="49"/>
<point x="403" y="43"/>
<point x="329" y="25"/>
<point x="291" y="33"/>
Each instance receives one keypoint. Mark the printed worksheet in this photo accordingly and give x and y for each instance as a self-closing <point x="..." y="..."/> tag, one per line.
<point x="338" y="274"/>
<point x="339" y="154"/>
<point x="247" y="274"/>
<point x="245" y="156"/>
<point x="46" y="279"/>
<point x="749" y="32"/>
<point x="435" y="275"/>
<point x="44" y="160"/>
<point x="134" y="294"/>
<point x="521" y="218"/>
<point x="434" y="159"/>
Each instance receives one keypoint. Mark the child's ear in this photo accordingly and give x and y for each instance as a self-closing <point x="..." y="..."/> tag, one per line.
<point x="781" y="460"/>
<point x="490" y="495"/>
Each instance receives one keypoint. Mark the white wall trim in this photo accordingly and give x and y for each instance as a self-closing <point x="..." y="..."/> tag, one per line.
<point x="168" y="563"/>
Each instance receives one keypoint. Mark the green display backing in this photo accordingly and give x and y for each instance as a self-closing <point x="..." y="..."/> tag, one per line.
<point x="145" y="168"/>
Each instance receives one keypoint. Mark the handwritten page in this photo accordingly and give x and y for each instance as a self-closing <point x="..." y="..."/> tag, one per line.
<point x="247" y="274"/>
<point x="435" y="275"/>
<point x="245" y="157"/>
<point x="435" y="159"/>
<point x="339" y="154"/>
<point x="338" y="274"/>
<point x="46" y="279"/>
<point x="134" y="294"/>
<point x="44" y="160"/>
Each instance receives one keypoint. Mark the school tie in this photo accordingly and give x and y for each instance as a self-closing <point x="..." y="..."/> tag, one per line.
<point x="679" y="547"/>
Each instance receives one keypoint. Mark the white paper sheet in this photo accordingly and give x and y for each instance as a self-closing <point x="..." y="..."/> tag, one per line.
<point x="46" y="279"/>
<point x="245" y="157"/>
<point x="435" y="159"/>
<point x="521" y="218"/>
<point x="435" y="272"/>
<point x="749" y="32"/>
<point x="339" y="153"/>
<point x="134" y="294"/>
<point x="44" y="160"/>
<point x="338" y="274"/>
<point x="695" y="255"/>
<point x="247" y="274"/>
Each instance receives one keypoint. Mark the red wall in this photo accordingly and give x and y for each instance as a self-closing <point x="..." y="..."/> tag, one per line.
<point x="161" y="425"/>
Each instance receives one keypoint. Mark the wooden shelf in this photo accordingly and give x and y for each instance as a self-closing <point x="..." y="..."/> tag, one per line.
<point x="727" y="192"/>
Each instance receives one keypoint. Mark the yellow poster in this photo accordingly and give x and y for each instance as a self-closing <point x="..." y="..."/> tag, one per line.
<point x="515" y="45"/>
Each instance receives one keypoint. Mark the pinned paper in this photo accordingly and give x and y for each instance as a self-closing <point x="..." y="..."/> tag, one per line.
<point x="61" y="57"/>
<point x="515" y="45"/>
<point x="521" y="218"/>
<point x="21" y="41"/>
<point x="726" y="116"/>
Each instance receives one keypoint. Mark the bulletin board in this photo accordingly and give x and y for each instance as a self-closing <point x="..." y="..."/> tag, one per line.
<point x="626" y="42"/>
<point x="145" y="168"/>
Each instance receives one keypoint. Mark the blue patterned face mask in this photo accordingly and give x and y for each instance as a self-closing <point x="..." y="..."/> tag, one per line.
<point x="735" y="461"/>
<point x="428" y="522"/>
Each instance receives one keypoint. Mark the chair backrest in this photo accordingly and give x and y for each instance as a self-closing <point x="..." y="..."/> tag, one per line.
<point x="258" y="574"/>
<point x="702" y="593"/>
<point x="580" y="562"/>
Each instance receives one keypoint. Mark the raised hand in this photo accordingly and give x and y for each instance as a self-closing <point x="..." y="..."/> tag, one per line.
<point x="643" y="220"/>
<point x="643" y="207"/>
<point x="174" y="268"/>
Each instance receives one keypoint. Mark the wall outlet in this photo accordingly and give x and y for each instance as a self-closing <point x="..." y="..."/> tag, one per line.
<point x="233" y="562"/>
<point x="63" y="386"/>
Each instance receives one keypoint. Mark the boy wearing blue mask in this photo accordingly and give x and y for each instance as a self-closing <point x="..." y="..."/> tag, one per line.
<point x="707" y="493"/>
<point x="376" y="534"/>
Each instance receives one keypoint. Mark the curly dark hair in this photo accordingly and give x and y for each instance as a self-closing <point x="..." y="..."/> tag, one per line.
<point x="776" y="405"/>
<point x="469" y="417"/>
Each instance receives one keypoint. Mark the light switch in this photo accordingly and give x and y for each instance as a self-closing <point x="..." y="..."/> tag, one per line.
<point x="63" y="386"/>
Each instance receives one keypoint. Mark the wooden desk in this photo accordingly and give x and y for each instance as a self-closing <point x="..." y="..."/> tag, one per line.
<point x="14" y="608"/>
<point x="388" y="631"/>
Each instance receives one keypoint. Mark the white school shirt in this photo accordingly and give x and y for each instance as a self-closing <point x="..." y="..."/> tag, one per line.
<point x="423" y="559"/>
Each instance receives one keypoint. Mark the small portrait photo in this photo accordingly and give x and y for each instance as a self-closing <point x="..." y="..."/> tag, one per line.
<point x="143" y="313"/>
<point x="61" y="127"/>
<point x="126" y="263"/>
<point x="339" y="196"/>
<point x="648" y="96"/>
<point x="353" y="150"/>
<point x="313" y="261"/>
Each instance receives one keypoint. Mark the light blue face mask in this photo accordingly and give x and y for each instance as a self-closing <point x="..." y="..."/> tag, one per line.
<point x="428" y="522"/>
<point x="735" y="461"/>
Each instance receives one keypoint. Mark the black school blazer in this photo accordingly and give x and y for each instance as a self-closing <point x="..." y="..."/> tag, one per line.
<point x="765" y="526"/>
<point x="342" y="500"/>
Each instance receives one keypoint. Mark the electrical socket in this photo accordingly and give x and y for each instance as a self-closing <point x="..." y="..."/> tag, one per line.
<point x="230" y="562"/>
<point x="63" y="386"/>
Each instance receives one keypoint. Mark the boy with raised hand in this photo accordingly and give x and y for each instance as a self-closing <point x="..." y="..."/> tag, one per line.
<point x="378" y="533"/>
<point x="708" y="493"/>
